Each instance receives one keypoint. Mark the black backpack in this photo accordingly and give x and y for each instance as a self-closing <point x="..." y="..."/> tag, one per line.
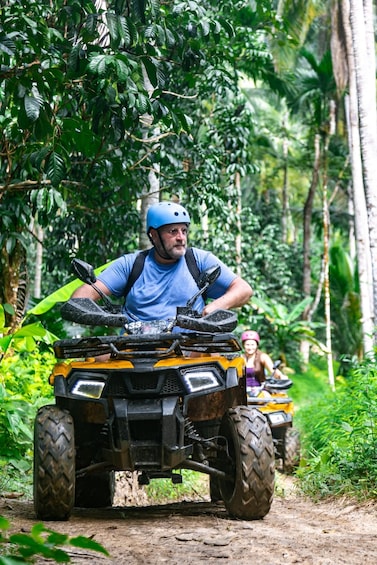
<point x="139" y="265"/>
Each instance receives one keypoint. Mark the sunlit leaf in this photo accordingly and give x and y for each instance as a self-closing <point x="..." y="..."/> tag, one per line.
<point x="87" y="543"/>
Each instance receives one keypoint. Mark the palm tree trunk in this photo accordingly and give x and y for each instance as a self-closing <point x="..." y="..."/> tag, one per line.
<point x="286" y="216"/>
<point x="365" y="71"/>
<point x="237" y="182"/>
<point x="326" y="242"/>
<point x="359" y="208"/>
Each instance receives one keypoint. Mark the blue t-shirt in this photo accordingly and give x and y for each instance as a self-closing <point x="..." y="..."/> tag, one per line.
<point x="160" y="288"/>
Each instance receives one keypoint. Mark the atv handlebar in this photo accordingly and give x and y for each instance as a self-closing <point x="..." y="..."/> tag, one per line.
<point x="277" y="384"/>
<point x="86" y="311"/>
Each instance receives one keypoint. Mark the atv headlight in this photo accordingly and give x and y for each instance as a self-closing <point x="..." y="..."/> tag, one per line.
<point x="204" y="379"/>
<point x="276" y="418"/>
<point x="88" y="389"/>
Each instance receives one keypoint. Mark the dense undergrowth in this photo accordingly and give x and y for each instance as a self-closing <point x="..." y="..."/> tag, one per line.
<point x="23" y="389"/>
<point x="339" y="434"/>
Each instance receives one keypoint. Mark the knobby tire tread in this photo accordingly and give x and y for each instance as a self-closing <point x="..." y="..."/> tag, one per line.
<point x="54" y="464"/>
<point x="251" y="446"/>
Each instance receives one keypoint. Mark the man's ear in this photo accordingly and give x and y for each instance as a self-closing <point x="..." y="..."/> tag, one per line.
<point x="150" y="235"/>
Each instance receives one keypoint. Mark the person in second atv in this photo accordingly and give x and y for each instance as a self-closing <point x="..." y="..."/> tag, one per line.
<point x="257" y="361"/>
<point x="165" y="280"/>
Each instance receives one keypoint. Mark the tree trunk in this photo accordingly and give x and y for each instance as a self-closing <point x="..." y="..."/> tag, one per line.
<point x="308" y="209"/>
<point x="38" y="233"/>
<point x="14" y="284"/>
<point x="359" y="207"/>
<point x="237" y="182"/>
<point x="286" y="226"/>
<point x="151" y="192"/>
<point x="365" y="71"/>
<point x="326" y="242"/>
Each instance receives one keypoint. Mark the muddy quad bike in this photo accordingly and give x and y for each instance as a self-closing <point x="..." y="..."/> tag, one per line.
<point x="162" y="400"/>
<point x="272" y="399"/>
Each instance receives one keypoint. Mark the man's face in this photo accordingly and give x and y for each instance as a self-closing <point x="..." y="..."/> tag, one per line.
<point x="174" y="237"/>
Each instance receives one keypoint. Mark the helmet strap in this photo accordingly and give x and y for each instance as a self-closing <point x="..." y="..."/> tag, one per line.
<point x="161" y="250"/>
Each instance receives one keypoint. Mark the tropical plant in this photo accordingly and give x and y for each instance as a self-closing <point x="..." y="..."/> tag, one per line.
<point x="286" y="326"/>
<point x="23" y="337"/>
<point x="345" y="303"/>
<point x="21" y="547"/>
<point x="340" y="438"/>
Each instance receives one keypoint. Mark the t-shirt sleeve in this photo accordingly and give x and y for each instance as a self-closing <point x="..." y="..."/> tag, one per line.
<point x="115" y="276"/>
<point x="205" y="260"/>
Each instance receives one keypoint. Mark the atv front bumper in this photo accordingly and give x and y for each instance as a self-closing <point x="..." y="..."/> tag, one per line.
<point x="147" y="435"/>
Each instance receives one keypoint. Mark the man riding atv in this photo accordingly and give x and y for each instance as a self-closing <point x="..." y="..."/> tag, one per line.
<point x="168" y="393"/>
<point x="165" y="275"/>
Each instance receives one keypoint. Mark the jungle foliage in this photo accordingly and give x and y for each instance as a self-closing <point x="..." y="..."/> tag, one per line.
<point x="339" y="432"/>
<point x="95" y="97"/>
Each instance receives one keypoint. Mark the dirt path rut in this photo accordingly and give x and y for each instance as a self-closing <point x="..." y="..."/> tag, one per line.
<point x="296" y="530"/>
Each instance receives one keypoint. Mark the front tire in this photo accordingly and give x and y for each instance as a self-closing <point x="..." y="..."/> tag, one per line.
<point x="251" y="463"/>
<point x="54" y="464"/>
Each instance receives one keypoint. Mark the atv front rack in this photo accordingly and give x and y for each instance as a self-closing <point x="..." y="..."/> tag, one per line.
<point x="146" y="346"/>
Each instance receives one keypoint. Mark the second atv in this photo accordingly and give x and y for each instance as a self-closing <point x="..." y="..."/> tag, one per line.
<point x="272" y="399"/>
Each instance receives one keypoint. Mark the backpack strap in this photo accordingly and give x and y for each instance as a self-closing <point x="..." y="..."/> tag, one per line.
<point x="192" y="264"/>
<point x="136" y="270"/>
<point x="138" y="266"/>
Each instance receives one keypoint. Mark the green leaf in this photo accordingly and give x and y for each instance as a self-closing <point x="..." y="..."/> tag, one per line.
<point x="112" y="22"/>
<point x="4" y="523"/>
<point x="123" y="70"/>
<point x="142" y="103"/>
<point x="97" y="64"/>
<point x="10" y="244"/>
<point x="5" y="342"/>
<point x="151" y="69"/>
<point x="56" y="538"/>
<point x="60" y="295"/>
<point x="87" y="543"/>
<point x="124" y="30"/>
<point x="32" y="106"/>
<point x="55" y="168"/>
<point x="205" y="27"/>
<point x="227" y="26"/>
<point x="7" y="46"/>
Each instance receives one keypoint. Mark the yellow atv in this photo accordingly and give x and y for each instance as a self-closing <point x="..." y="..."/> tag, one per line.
<point x="161" y="397"/>
<point x="272" y="399"/>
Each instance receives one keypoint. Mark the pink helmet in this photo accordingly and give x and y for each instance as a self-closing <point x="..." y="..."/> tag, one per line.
<point x="250" y="334"/>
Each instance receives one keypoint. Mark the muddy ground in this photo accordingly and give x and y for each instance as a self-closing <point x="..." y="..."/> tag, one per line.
<point x="296" y="530"/>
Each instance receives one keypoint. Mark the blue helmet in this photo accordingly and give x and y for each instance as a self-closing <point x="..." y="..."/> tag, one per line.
<point x="164" y="213"/>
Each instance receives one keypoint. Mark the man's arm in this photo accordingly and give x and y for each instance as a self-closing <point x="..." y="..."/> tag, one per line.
<point x="87" y="291"/>
<point x="238" y="294"/>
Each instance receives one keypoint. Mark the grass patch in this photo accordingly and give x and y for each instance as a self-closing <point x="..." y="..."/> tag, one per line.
<point x="194" y="486"/>
<point x="310" y="385"/>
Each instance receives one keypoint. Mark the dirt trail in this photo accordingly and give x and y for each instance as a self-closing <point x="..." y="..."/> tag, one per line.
<point x="296" y="530"/>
